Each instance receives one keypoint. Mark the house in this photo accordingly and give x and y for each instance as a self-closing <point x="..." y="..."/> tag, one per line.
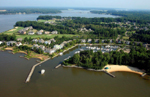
<point x="1" y="42"/>
<point x="103" y="41"/>
<point x="49" y="51"/>
<point x="119" y="41"/>
<point x="10" y="43"/>
<point x="53" y="40"/>
<point x="22" y="31"/>
<point x="39" y="33"/>
<point x="89" y="41"/>
<point x="19" y="39"/>
<point x="96" y="40"/>
<point x="47" y="42"/>
<point x="83" y="40"/>
<point x="35" y="46"/>
<point x="46" y="32"/>
<point x="41" y="41"/>
<point x="30" y="33"/>
<point x="127" y="42"/>
<point x="54" y="32"/>
<point x="42" y="47"/>
<point x="35" y="40"/>
<point x="62" y="45"/>
<point x="57" y="46"/>
<point x="18" y="44"/>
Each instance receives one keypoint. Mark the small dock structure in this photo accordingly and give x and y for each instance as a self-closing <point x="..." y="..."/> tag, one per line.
<point x="58" y="66"/>
<point x="110" y="74"/>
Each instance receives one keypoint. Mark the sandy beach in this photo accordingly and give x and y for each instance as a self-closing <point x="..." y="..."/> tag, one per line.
<point x="124" y="68"/>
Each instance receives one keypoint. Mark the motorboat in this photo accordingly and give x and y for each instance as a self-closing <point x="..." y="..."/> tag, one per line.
<point x="42" y="71"/>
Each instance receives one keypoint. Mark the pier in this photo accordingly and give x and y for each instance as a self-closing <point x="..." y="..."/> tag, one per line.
<point x="32" y="70"/>
<point x="110" y="74"/>
<point x="58" y="66"/>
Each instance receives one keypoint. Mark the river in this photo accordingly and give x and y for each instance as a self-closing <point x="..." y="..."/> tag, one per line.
<point x="65" y="82"/>
<point x="7" y="21"/>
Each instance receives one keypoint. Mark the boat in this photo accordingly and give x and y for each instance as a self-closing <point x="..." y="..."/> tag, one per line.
<point x="61" y="53"/>
<point x="42" y="71"/>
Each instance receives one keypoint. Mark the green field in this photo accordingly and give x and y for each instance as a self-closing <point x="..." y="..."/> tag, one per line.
<point x="125" y="37"/>
<point x="45" y="20"/>
<point x="14" y="30"/>
<point x="44" y="35"/>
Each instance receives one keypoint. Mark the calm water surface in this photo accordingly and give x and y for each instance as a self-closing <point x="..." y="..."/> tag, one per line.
<point x="7" y="21"/>
<point x="65" y="82"/>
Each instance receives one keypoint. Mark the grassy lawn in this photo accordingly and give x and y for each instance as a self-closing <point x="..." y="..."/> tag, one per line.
<point x="14" y="30"/>
<point x="125" y="37"/>
<point x="40" y="20"/>
<point x="44" y="36"/>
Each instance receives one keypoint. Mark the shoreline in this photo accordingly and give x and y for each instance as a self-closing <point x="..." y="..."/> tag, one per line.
<point x="123" y="68"/>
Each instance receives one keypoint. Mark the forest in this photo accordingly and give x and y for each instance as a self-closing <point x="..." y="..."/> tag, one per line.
<point x="72" y="26"/>
<point x="140" y="17"/>
<point x="138" y="57"/>
<point x="29" y="10"/>
<point x="5" y="37"/>
<point x="141" y="35"/>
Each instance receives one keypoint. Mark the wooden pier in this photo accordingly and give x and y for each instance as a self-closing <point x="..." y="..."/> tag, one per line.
<point x="110" y="74"/>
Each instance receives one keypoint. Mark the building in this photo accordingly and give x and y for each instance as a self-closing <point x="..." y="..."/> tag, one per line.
<point x="35" y="40"/>
<point x="11" y="43"/>
<point x="127" y="42"/>
<point x="47" y="42"/>
<point x="30" y="33"/>
<point x="46" y="32"/>
<point x="96" y="40"/>
<point x="53" y="40"/>
<point x="38" y="33"/>
<point x="49" y="51"/>
<point x="1" y="42"/>
<point x="57" y="46"/>
<point x="42" y="47"/>
<point x="35" y="46"/>
<point x="54" y="32"/>
<point x="89" y="41"/>
<point x="41" y="41"/>
<point x="83" y="40"/>
<point x="103" y="41"/>
<point x="18" y="44"/>
<point x="19" y="39"/>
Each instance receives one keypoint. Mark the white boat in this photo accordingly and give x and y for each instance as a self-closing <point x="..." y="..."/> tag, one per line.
<point x="61" y="53"/>
<point x="42" y="71"/>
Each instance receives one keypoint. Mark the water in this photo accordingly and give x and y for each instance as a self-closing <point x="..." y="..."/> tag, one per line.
<point x="65" y="82"/>
<point x="7" y="21"/>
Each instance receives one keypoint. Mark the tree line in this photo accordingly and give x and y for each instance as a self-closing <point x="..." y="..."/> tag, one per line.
<point x="30" y="10"/>
<point x="138" y="57"/>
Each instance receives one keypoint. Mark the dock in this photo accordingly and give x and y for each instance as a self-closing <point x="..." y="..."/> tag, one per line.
<point x="143" y="74"/>
<point x="110" y="74"/>
<point x="67" y="58"/>
<point x="32" y="70"/>
<point x="58" y="66"/>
